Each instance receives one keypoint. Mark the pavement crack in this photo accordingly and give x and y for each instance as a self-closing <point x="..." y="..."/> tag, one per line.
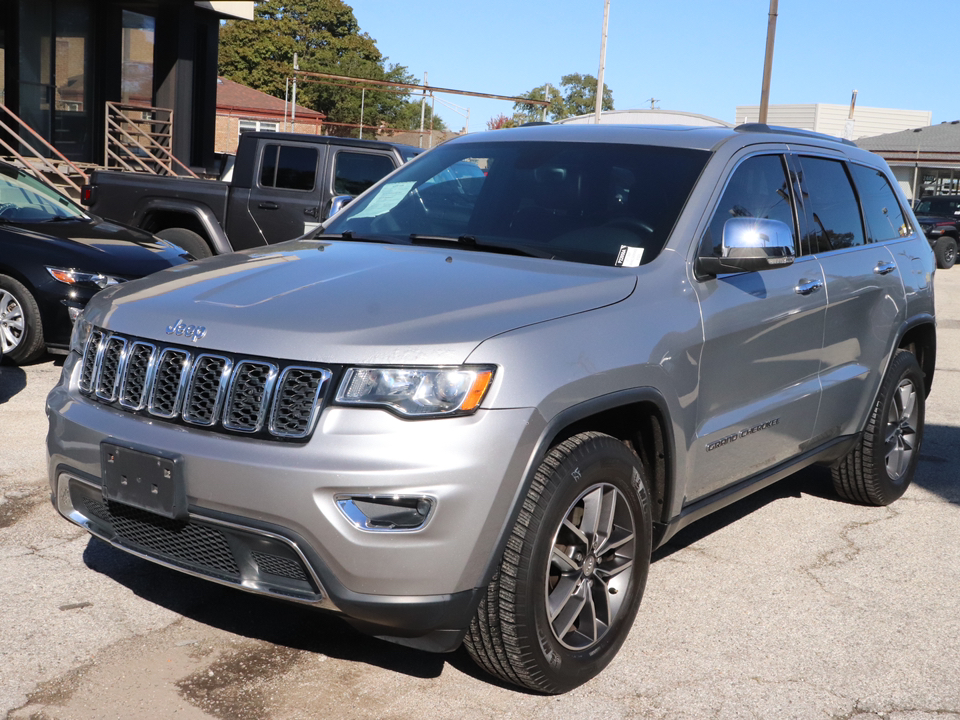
<point x="849" y="550"/>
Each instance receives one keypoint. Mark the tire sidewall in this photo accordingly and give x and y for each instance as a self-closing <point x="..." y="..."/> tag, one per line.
<point x="187" y="240"/>
<point x="31" y="343"/>
<point x="946" y="252"/>
<point x="904" y="366"/>
<point x="599" y="460"/>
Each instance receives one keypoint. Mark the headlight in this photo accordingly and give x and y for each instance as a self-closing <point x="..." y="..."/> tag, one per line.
<point x="417" y="392"/>
<point x="80" y="334"/>
<point x="73" y="277"/>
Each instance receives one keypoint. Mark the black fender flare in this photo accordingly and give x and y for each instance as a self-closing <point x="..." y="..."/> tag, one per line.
<point x="202" y="214"/>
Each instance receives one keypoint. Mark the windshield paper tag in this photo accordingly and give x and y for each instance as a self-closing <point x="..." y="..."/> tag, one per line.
<point x="388" y="197"/>
<point x="629" y="256"/>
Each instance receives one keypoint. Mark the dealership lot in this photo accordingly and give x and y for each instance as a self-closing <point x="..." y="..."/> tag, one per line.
<point x="790" y="604"/>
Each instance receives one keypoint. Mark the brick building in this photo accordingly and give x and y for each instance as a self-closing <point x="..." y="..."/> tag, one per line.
<point x="241" y="108"/>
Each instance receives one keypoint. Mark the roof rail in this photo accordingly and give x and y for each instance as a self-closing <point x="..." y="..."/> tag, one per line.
<point x="763" y="128"/>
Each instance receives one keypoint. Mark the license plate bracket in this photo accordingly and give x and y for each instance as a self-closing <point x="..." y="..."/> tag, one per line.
<point x="148" y="480"/>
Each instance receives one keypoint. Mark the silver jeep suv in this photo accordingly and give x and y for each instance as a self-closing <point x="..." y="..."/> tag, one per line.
<point x="468" y="408"/>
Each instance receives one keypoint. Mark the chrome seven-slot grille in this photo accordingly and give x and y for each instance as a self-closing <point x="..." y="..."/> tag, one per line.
<point x="212" y="390"/>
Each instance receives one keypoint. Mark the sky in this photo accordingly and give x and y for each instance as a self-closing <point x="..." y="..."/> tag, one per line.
<point x="700" y="56"/>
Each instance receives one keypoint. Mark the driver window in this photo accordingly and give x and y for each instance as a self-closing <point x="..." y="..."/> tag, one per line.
<point x="759" y="188"/>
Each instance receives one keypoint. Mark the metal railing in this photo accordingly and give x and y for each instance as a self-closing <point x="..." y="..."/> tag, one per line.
<point x="139" y="138"/>
<point x="51" y="169"/>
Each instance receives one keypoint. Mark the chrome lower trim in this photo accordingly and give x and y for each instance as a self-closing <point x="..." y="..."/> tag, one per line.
<point x="66" y="508"/>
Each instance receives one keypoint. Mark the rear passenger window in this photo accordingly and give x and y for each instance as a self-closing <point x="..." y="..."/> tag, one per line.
<point x="833" y="215"/>
<point x="885" y="218"/>
<point x="355" y="172"/>
<point x="759" y="189"/>
<point x="290" y="167"/>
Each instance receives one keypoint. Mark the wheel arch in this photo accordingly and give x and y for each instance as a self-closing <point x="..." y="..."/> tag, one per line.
<point x="640" y="418"/>
<point x="156" y="215"/>
<point x="920" y="337"/>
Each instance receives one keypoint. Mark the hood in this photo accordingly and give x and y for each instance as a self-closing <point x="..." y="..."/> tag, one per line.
<point x="351" y="302"/>
<point x="95" y="245"/>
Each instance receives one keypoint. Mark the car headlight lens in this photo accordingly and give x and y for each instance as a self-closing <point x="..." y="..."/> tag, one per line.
<point x="80" y="334"/>
<point x="417" y="392"/>
<point x="74" y="277"/>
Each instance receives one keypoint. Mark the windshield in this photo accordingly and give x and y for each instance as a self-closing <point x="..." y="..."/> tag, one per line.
<point x="24" y="199"/>
<point x="583" y="202"/>
<point x="938" y="206"/>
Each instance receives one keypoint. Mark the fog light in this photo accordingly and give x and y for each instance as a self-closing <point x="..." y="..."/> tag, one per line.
<point x="386" y="513"/>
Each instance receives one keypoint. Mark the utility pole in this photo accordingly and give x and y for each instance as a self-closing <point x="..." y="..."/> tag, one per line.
<point x="849" y="125"/>
<point x="423" y="109"/>
<point x="293" y="111"/>
<point x="603" y="61"/>
<point x="768" y="62"/>
<point x="653" y="103"/>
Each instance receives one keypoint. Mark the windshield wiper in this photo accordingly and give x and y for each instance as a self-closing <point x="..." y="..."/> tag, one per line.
<point x="353" y="237"/>
<point x="470" y="242"/>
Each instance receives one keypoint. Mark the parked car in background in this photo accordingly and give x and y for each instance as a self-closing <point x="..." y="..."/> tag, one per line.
<point x="281" y="186"/>
<point x="54" y="257"/>
<point x="939" y="217"/>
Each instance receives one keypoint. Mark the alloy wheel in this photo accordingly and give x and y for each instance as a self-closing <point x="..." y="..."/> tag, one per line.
<point x="12" y="322"/>
<point x="901" y="432"/>
<point x="590" y="566"/>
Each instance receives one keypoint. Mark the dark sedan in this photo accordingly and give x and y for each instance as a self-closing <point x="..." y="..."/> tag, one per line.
<point x="54" y="257"/>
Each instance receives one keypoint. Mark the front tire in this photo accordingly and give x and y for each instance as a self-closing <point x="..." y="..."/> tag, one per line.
<point x="570" y="581"/>
<point x="946" y="252"/>
<point x="881" y="466"/>
<point x="21" y="332"/>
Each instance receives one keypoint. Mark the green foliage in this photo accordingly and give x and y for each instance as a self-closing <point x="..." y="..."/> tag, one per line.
<point x="327" y="39"/>
<point x="576" y="95"/>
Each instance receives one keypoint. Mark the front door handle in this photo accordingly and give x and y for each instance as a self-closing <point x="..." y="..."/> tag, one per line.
<point x="884" y="267"/>
<point x="268" y="206"/>
<point x="805" y="287"/>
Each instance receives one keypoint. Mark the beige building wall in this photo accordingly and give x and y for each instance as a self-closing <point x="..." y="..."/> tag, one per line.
<point x="832" y="119"/>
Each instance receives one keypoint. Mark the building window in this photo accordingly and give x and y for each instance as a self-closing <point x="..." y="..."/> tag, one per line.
<point x="251" y="125"/>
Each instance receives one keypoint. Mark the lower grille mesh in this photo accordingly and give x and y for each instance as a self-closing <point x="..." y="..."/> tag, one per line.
<point x="194" y="545"/>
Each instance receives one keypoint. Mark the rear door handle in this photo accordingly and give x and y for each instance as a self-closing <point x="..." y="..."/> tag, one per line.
<point x="268" y="206"/>
<point x="885" y="267"/>
<point x="805" y="287"/>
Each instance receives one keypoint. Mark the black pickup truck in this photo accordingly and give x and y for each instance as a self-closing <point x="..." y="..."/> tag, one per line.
<point x="939" y="217"/>
<point x="283" y="185"/>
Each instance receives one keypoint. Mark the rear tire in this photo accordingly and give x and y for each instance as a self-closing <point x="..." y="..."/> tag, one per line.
<point x="21" y="332"/>
<point x="881" y="467"/>
<point x="570" y="581"/>
<point x="946" y="252"/>
<point x="188" y="240"/>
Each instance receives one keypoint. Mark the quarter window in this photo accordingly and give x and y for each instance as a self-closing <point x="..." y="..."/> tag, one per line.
<point x="833" y="215"/>
<point x="759" y="188"/>
<point x="885" y="218"/>
<point x="355" y="172"/>
<point x="290" y="167"/>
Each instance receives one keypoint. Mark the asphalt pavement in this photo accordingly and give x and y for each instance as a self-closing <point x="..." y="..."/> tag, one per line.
<point x="789" y="604"/>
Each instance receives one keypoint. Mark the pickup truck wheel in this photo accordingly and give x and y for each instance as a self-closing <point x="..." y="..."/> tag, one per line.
<point x="188" y="240"/>
<point x="880" y="468"/>
<point x="21" y="332"/>
<point x="570" y="580"/>
<point x="946" y="252"/>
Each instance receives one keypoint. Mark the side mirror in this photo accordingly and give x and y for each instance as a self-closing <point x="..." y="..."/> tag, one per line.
<point x="337" y="204"/>
<point x="751" y="244"/>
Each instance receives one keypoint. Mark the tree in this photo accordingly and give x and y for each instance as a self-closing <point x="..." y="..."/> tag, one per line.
<point x="501" y="121"/>
<point x="327" y="39"/>
<point x="577" y="95"/>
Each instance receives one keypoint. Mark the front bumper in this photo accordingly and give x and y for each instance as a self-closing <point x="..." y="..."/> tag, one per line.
<point x="280" y="500"/>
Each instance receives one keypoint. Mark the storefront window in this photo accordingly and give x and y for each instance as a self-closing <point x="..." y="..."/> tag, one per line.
<point x="137" y="73"/>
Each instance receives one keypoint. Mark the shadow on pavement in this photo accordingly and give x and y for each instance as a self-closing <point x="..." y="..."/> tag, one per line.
<point x="12" y="380"/>
<point x="252" y="616"/>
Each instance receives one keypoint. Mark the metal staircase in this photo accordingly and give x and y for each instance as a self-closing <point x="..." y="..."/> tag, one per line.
<point x="140" y="139"/>
<point x="27" y="149"/>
